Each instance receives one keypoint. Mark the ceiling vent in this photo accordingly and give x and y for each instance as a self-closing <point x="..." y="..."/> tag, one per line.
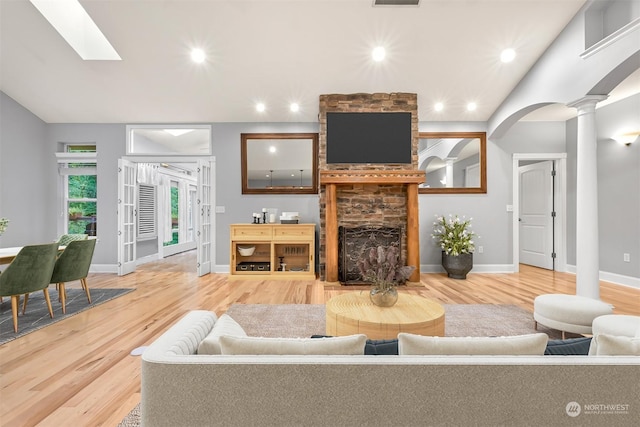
<point x="396" y="2"/>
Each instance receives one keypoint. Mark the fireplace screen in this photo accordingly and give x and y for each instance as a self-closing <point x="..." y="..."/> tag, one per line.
<point x="353" y="242"/>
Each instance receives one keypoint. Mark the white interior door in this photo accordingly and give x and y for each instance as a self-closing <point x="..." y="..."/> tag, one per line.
<point x="536" y="219"/>
<point x="126" y="217"/>
<point x="206" y="222"/>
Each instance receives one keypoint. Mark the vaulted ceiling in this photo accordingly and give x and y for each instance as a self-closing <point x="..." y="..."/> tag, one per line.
<point x="274" y="52"/>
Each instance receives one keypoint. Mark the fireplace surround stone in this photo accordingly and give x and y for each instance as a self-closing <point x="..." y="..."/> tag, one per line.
<point x="382" y="195"/>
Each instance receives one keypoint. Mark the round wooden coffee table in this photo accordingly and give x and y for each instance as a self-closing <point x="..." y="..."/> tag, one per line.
<point x="354" y="313"/>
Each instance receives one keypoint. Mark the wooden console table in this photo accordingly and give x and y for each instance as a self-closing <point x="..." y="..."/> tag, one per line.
<point x="354" y="313"/>
<point x="271" y="244"/>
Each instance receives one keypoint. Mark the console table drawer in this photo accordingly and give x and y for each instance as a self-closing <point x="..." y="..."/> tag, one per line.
<point x="294" y="232"/>
<point x="251" y="232"/>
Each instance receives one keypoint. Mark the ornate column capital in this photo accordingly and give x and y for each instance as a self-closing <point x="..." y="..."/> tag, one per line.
<point x="587" y="104"/>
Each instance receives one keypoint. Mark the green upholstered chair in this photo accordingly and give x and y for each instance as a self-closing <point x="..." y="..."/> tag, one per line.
<point x="73" y="264"/>
<point x="65" y="239"/>
<point x="30" y="271"/>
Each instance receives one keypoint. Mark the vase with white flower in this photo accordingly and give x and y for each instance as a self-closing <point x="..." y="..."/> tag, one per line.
<point x="455" y="238"/>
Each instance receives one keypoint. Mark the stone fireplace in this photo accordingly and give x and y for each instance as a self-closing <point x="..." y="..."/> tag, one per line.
<point x="371" y="195"/>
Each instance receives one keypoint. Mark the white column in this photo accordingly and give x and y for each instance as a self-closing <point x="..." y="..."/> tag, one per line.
<point x="587" y="245"/>
<point x="449" y="170"/>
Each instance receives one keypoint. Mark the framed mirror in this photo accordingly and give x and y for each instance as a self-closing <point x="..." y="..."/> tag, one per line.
<point x="455" y="162"/>
<point x="175" y="140"/>
<point x="279" y="163"/>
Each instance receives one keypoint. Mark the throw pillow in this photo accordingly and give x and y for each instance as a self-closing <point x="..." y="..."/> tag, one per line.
<point x="531" y="344"/>
<point x="349" y="345"/>
<point x="375" y="347"/>
<point x="569" y="347"/>
<point x="225" y="325"/>
<point x="610" y="345"/>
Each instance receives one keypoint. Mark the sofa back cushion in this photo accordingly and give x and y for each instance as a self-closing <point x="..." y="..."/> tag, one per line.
<point x="225" y="325"/>
<point x="348" y="345"/>
<point x="531" y="344"/>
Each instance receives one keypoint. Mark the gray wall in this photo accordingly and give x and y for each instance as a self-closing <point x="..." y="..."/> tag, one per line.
<point x="27" y="140"/>
<point x="27" y="177"/>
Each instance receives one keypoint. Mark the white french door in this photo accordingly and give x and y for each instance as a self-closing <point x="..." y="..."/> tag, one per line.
<point x="206" y="221"/>
<point x="126" y="217"/>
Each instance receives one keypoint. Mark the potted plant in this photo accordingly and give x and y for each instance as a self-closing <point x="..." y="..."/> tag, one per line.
<point x="455" y="238"/>
<point x="4" y="222"/>
<point x="381" y="266"/>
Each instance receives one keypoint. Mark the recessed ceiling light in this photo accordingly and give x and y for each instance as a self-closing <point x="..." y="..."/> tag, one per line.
<point x="507" y="55"/>
<point x="294" y="107"/>
<point x="439" y="106"/>
<point x="272" y="149"/>
<point x="471" y="106"/>
<point x="260" y="107"/>
<point x="75" y="25"/>
<point x="198" y="56"/>
<point x="378" y="54"/>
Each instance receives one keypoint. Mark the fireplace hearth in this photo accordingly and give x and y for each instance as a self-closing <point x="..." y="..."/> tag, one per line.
<point x="354" y="242"/>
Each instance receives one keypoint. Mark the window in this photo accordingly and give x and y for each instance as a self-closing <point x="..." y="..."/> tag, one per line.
<point x="77" y="168"/>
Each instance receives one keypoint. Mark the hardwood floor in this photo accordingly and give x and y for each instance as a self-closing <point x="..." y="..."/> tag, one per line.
<point x="79" y="371"/>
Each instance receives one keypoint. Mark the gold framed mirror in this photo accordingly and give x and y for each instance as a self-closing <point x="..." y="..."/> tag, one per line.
<point x="279" y="163"/>
<point x="454" y="162"/>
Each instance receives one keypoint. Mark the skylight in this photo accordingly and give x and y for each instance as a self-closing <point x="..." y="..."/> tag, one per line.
<point x="73" y="23"/>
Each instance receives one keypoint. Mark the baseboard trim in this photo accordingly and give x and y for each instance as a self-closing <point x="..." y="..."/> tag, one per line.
<point x="218" y="268"/>
<point x="147" y="259"/>
<point x="616" y="279"/>
<point x="103" y="268"/>
<point x="477" y="268"/>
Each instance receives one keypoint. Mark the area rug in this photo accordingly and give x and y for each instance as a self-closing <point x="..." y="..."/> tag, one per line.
<point x="304" y="320"/>
<point x="461" y="320"/>
<point x="37" y="315"/>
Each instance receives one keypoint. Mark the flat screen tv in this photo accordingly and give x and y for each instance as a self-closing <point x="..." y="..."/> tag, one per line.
<point x="368" y="137"/>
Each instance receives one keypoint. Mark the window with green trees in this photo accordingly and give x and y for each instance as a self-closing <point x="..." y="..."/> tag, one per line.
<point x="81" y="183"/>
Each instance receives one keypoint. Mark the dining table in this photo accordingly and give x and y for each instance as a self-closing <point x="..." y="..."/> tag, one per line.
<point x="8" y="254"/>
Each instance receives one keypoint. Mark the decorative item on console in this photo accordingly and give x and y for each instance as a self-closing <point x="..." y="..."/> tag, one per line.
<point x="289" y="218"/>
<point x="455" y="238"/>
<point x="268" y="215"/>
<point x="381" y="266"/>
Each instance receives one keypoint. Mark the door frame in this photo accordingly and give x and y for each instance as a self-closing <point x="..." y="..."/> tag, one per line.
<point x="185" y="159"/>
<point x="560" y="196"/>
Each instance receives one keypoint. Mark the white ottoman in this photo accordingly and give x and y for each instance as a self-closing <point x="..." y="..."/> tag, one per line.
<point x="621" y="325"/>
<point x="568" y="313"/>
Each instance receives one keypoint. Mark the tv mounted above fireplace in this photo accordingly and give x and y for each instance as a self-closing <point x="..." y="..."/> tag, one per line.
<point x="368" y="137"/>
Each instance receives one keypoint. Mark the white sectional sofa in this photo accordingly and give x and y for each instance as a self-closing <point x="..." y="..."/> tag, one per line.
<point x="182" y="388"/>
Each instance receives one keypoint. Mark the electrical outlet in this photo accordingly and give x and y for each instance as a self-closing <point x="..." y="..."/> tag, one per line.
<point x="480" y="249"/>
<point x="220" y="209"/>
<point x="626" y="257"/>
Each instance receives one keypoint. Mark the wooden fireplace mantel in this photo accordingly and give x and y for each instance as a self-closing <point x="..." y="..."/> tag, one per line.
<point x="373" y="176"/>
<point x="332" y="178"/>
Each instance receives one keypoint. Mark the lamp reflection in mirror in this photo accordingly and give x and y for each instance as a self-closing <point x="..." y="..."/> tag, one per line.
<point x="627" y="138"/>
